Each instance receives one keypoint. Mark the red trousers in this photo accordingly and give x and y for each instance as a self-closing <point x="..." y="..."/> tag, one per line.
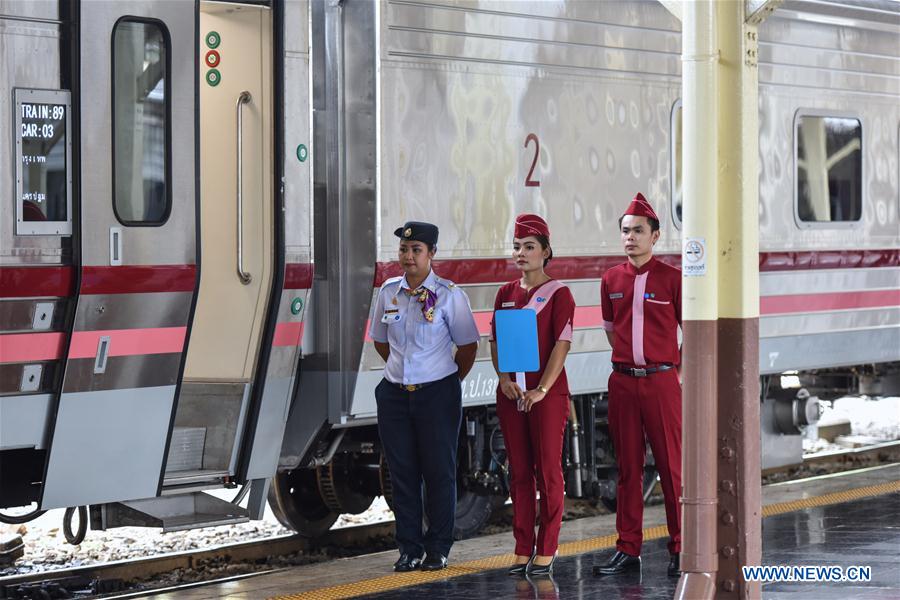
<point x="534" y="442"/>
<point x="646" y="408"/>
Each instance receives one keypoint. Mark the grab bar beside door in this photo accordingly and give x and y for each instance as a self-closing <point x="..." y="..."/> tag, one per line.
<point x="243" y="275"/>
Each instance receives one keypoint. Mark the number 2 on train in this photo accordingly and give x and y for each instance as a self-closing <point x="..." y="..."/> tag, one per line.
<point x="529" y="182"/>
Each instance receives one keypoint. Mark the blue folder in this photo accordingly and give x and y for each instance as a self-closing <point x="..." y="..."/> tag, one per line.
<point x="517" y="341"/>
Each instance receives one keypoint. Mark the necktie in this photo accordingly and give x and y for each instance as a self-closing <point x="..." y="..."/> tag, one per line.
<point x="427" y="298"/>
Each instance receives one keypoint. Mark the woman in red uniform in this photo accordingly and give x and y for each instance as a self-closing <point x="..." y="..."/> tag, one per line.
<point x="533" y="419"/>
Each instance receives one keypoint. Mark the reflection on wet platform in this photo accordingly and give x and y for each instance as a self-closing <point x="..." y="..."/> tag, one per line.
<point x="850" y="519"/>
<point x="863" y="532"/>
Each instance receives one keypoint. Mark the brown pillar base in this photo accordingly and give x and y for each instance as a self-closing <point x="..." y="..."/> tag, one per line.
<point x="738" y="471"/>
<point x="699" y="554"/>
<point x="695" y="586"/>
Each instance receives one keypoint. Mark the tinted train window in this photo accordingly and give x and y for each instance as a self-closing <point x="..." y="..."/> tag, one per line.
<point x="140" y="127"/>
<point x="829" y="169"/>
<point x="675" y="161"/>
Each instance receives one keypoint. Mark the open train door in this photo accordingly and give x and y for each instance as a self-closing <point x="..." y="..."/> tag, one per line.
<point x="220" y="401"/>
<point x="136" y="246"/>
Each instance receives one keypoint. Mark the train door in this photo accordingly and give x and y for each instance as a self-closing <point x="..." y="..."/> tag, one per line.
<point x="236" y="243"/>
<point x="135" y="250"/>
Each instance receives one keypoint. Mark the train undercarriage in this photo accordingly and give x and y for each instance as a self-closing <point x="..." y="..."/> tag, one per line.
<point x="349" y="470"/>
<point x="310" y="499"/>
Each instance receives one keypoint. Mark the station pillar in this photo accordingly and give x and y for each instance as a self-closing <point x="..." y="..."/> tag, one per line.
<point x="700" y="224"/>
<point x="721" y="459"/>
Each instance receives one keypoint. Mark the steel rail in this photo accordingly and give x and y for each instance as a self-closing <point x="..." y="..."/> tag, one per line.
<point x="145" y="567"/>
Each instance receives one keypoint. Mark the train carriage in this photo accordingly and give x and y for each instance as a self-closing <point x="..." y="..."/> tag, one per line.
<point x="200" y="200"/>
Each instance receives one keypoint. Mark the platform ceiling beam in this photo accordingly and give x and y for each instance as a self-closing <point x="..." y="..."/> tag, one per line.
<point x="757" y="11"/>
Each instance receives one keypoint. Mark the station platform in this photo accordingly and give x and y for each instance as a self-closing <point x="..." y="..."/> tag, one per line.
<point x="847" y="519"/>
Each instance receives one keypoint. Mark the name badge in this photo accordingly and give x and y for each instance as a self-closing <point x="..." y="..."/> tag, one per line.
<point x="390" y="316"/>
<point x="508" y="305"/>
<point x="616" y="296"/>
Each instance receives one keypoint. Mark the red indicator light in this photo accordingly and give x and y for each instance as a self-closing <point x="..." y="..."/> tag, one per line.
<point x="212" y="58"/>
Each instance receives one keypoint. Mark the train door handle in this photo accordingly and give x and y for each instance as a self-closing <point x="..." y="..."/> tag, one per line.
<point x="115" y="246"/>
<point x="244" y="276"/>
<point x="102" y="355"/>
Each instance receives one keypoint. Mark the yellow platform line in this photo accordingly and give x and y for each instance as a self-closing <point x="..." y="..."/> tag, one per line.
<point x="415" y="578"/>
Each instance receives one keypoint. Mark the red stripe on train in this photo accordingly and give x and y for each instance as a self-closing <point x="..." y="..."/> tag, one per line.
<point x="806" y="303"/>
<point x="288" y="334"/>
<point x="298" y="276"/>
<point x="828" y="259"/>
<point x="56" y="281"/>
<point x="501" y="270"/>
<point x="28" y="282"/>
<point x="31" y="347"/>
<point x="138" y="279"/>
<point x="129" y="342"/>
<point x="591" y="317"/>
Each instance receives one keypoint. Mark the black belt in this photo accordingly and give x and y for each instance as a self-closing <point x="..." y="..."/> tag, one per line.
<point x="636" y="372"/>
<point x="412" y="387"/>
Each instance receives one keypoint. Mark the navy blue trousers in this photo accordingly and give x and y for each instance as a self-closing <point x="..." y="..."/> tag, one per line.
<point x="419" y="433"/>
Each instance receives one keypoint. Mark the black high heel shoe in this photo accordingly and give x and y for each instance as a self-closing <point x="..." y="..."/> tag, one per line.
<point x="521" y="569"/>
<point x="540" y="570"/>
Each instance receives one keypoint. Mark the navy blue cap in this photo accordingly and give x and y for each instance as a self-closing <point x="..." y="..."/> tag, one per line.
<point x="417" y="231"/>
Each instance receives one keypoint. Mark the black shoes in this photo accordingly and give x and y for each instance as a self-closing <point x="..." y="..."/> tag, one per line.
<point x="521" y="569"/>
<point x="407" y="563"/>
<point x="434" y="562"/>
<point x="619" y="563"/>
<point x="518" y="569"/>
<point x="674" y="569"/>
<point x="541" y="570"/>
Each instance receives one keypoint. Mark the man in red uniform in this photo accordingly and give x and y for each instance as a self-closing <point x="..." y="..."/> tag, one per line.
<point x="641" y="303"/>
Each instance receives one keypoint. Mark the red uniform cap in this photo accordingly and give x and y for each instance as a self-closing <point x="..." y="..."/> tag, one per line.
<point x="528" y="224"/>
<point x="639" y="207"/>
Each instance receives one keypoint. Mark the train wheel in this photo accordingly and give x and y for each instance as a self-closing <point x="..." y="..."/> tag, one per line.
<point x="295" y="500"/>
<point x="650" y="479"/>
<point x="472" y="512"/>
<point x="343" y="484"/>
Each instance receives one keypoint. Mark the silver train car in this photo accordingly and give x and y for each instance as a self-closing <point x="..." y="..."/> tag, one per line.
<point x="203" y="195"/>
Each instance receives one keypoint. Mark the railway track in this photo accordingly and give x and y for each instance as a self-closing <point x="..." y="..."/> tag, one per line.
<point x="113" y="577"/>
<point x="886" y="452"/>
<point x="116" y="579"/>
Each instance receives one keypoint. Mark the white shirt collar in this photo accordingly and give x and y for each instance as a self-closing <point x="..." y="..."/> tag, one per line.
<point x="430" y="282"/>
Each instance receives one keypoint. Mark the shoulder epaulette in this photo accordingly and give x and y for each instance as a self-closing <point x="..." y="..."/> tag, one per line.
<point x="444" y="282"/>
<point x="391" y="280"/>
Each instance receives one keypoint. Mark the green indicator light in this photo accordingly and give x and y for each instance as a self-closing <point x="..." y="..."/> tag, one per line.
<point x="213" y="77"/>
<point x="302" y="153"/>
<point x="213" y="40"/>
<point x="296" y="306"/>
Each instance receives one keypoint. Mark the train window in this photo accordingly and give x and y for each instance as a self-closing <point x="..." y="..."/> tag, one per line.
<point x="829" y="169"/>
<point x="675" y="162"/>
<point x="140" y="122"/>
<point x="43" y="159"/>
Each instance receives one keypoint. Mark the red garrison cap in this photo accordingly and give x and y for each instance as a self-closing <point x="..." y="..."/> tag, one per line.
<point x="639" y="207"/>
<point x="528" y="224"/>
